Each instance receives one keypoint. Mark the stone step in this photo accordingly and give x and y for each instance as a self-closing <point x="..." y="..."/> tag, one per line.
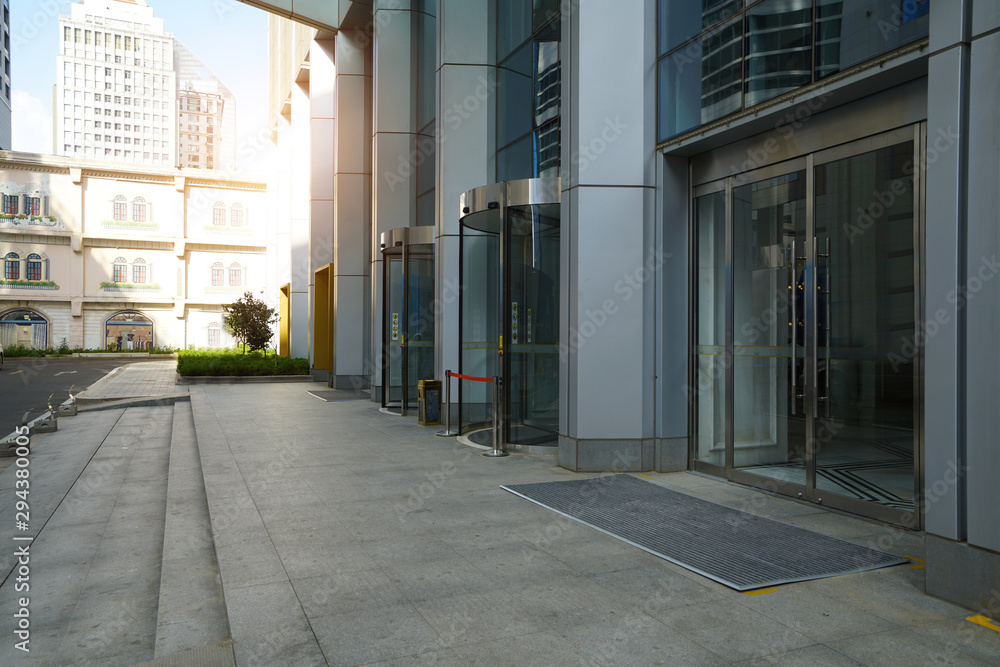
<point x="192" y="610"/>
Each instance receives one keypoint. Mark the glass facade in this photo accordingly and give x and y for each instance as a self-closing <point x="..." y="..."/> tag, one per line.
<point x="728" y="55"/>
<point x="529" y="79"/>
<point x="426" y="111"/>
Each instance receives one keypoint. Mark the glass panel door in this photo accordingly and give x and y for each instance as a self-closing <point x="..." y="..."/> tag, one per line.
<point x="392" y="392"/>
<point x="865" y="318"/>
<point x="769" y="333"/>
<point x="805" y="379"/>
<point x="532" y="361"/>
<point x="419" y="319"/>
<point x="481" y="303"/>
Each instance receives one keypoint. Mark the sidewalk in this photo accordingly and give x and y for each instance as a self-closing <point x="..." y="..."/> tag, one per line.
<point x="345" y="536"/>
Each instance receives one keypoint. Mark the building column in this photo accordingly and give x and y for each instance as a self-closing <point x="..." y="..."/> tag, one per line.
<point x="352" y="210"/>
<point x="299" y="204"/>
<point x="393" y="143"/>
<point x="323" y="144"/>
<point x="466" y="77"/>
<point x="610" y="253"/>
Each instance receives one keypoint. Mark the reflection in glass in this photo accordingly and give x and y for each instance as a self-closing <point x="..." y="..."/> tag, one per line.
<point x="769" y="225"/>
<point x="709" y="386"/>
<point x="848" y="33"/>
<point x="420" y="322"/>
<point x="779" y="48"/>
<point x="480" y="306"/>
<point x="513" y="25"/>
<point x="514" y="96"/>
<point x="680" y="20"/>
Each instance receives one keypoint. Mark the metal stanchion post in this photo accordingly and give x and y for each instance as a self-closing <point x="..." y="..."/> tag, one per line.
<point x="497" y="446"/>
<point x="447" y="407"/>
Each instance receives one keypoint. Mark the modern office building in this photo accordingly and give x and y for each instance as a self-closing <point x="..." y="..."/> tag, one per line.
<point x="206" y="115"/>
<point x="5" y="94"/>
<point x="97" y="254"/>
<point x="755" y="239"/>
<point x="116" y="89"/>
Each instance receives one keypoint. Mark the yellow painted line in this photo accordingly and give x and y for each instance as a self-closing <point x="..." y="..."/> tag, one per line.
<point x="16" y="372"/>
<point x="646" y="476"/>
<point x="762" y="591"/>
<point x="916" y="567"/>
<point x="979" y="619"/>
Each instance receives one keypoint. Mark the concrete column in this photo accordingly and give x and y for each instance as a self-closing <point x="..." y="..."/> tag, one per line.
<point x="466" y="78"/>
<point x="393" y="142"/>
<point x="609" y="241"/>
<point x="352" y="209"/>
<point x="299" y="203"/>
<point x="323" y="144"/>
<point x="282" y="218"/>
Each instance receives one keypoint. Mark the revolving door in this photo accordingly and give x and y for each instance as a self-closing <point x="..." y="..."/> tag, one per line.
<point x="407" y="314"/>
<point x="509" y="322"/>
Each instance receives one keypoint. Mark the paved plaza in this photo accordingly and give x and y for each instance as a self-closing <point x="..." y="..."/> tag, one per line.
<point x="258" y="525"/>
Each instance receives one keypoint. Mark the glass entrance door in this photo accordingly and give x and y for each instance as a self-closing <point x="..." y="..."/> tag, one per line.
<point x="806" y="300"/>
<point x="408" y="316"/>
<point x="510" y="311"/>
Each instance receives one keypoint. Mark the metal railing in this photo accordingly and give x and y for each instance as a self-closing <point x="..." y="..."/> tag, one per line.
<point x="497" y="429"/>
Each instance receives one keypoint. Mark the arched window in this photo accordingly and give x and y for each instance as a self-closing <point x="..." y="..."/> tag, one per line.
<point x="235" y="275"/>
<point x="12" y="266"/>
<point x="129" y="330"/>
<point x="218" y="274"/>
<point x="139" y="271"/>
<point x="34" y="271"/>
<point x="219" y="214"/>
<point x="214" y="335"/>
<point x="120" y="209"/>
<point x="24" y="327"/>
<point x="236" y="219"/>
<point x="119" y="270"/>
<point x="139" y="209"/>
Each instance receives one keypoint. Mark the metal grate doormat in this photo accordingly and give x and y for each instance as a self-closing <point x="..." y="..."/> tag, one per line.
<point x="329" y="395"/>
<point x="741" y="550"/>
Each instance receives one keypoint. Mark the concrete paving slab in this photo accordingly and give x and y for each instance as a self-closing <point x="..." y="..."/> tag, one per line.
<point x="375" y="635"/>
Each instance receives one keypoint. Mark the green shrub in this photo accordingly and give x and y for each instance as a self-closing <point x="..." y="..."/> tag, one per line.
<point x="219" y="363"/>
<point x="64" y="349"/>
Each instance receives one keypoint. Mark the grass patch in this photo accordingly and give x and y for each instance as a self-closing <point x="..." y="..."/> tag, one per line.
<point x="216" y="363"/>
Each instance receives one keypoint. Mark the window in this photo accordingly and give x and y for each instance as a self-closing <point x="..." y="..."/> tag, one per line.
<point x="218" y="275"/>
<point x="214" y="335"/>
<point x="138" y="207"/>
<point x="12" y="266"/>
<point x="235" y="275"/>
<point x="10" y="204"/>
<point x="121" y="206"/>
<point x="236" y="219"/>
<point x="33" y="205"/>
<point x="219" y="214"/>
<point x="34" y="267"/>
<point x="139" y="272"/>
<point x="119" y="270"/>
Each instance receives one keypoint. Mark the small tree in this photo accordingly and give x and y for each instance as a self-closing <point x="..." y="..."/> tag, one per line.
<point x="249" y="320"/>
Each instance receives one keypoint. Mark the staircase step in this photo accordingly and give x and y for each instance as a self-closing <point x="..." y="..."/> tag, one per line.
<point x="192" y="610"/>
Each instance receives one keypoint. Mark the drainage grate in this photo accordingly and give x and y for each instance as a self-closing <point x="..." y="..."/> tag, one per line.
<point x="329" y="395"/>
<point x="741" y="550"/>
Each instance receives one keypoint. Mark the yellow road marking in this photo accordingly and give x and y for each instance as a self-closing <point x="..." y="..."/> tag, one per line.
<point x="979" y="619"/>
<point x="916" y="567"/>
<point x="16" y="372"/>
<point x="762" y="591"/>
<point x="646" y="476"/>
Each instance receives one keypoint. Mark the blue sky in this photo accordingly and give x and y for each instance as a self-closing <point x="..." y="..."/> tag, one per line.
<point x="228" y="36"/>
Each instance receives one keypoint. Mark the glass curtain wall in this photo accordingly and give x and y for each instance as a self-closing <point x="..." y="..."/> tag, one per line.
<point x="426" y="150"/>
<point x="529" y="77"/>
<point x="806" y="293"/>
<point x="720" y="56"/>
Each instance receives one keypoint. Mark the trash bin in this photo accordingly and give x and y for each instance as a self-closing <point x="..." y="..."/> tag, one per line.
<point x="428" y="402"/>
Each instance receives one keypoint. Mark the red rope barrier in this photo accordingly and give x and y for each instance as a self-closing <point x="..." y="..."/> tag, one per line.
<point x="470" y="377"/>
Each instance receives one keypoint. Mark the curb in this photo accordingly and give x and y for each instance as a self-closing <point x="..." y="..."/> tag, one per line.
<point x="100" y="383"/>
<point x="243" y="379"/>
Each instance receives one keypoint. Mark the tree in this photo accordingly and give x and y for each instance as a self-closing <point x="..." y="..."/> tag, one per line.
<point x="249" y="320"/>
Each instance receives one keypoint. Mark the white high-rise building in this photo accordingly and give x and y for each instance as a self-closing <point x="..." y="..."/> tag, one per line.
<point x="116" y="89"/>
<point x="206" y="121"/>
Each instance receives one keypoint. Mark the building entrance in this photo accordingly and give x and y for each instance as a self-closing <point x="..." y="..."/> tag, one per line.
<point x="509" y="324"/>
<point x="407" y="314"/>
<point x="806" y="297"/>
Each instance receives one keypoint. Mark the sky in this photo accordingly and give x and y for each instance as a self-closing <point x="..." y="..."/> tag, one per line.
<point x="228" y="36"/>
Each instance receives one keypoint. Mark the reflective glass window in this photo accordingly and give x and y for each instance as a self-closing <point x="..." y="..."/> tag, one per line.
<point x="778" y="48"/>
<point x="848" y="33"/>
<point x="513" y="25"/>
<point x="426" y="69"/>
<point x="514" y="92"/>
<point x="515" y="161"/>
<point x="681" y="20"/>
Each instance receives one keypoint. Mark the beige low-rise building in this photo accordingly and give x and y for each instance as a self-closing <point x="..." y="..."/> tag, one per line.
<point x="98" y="254"/>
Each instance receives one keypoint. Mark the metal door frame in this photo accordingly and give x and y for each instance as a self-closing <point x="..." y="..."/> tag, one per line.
<point x="398" y="243"/>
<point x="917" y="133"/>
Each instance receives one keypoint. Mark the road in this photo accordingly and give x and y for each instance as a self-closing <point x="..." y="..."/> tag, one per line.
<point x="26" y="384"/>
